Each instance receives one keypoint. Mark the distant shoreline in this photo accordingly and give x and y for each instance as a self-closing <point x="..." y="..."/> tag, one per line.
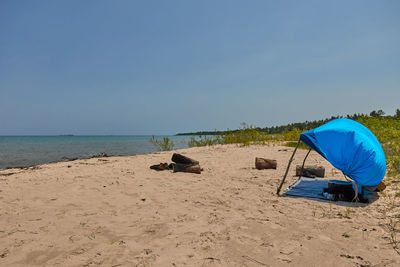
<point x="199" y="133"/>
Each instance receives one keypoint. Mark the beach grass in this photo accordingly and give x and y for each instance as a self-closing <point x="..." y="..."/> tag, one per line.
<point x="164" y="144"/>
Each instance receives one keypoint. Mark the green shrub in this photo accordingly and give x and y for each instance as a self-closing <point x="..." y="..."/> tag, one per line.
<point x="293" y="144"/>
<point x="204" y="140"/>
<point x="245" y="136"/>
<point x="164" y="144"/>
<point x="292" y="135"/>
<point x="387" y="130"/>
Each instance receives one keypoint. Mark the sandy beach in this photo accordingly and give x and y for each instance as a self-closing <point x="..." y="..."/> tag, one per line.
<point x="116" y="211"/>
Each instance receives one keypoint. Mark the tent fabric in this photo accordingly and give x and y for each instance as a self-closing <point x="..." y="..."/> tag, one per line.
<point x="350" y="147"/>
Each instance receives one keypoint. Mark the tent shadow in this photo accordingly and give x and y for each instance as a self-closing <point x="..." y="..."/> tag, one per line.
<point x="312" y="188"/>
<point x="371" y="199"/>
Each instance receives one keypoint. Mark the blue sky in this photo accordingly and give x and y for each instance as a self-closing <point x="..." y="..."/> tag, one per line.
<point x="162" y="67"/>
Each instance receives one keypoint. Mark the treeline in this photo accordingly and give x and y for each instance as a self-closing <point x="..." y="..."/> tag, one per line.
<point x="307" y="125"/>
<point x="302" y="126"/>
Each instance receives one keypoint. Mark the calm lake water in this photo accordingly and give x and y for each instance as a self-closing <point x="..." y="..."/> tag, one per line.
<point x="32" y="150"/>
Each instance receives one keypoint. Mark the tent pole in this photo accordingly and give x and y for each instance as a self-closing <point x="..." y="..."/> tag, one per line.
<point x="287" y="169"/>
<point x="304" y="162"/>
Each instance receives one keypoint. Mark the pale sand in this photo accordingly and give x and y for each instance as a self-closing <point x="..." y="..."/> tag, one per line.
<point x="117" y="212"/>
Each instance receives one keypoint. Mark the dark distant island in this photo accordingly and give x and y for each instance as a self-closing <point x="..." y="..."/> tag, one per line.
<point x="202" y="133"/>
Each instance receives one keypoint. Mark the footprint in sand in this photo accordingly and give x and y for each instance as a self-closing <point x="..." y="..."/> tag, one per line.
<point x="146" y="257"/>
<point x="287" y="250"/>
<point x="4" y="253"/>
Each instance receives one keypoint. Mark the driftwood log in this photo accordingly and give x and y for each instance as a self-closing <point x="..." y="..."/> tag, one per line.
<point x="318" y="171"/>
<point x="159" y="167"/>
<point x="178" y="158"/>
<point x="381" y="186"/>
<point x="262" y="163"/>
<point x="179" y="167"/>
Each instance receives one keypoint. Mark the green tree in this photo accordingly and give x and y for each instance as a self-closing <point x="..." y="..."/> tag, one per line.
<point x="397" y="113"/>
<point x="378" y="113"/>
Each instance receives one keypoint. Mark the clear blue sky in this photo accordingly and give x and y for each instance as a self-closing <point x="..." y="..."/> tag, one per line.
<point x="162" y="67"/>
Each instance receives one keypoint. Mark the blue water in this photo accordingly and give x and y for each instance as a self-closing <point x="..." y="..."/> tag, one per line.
<point x="32" y="150"/>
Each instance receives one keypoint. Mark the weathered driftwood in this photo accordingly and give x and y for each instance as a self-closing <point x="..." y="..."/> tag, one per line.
<point x="178" y="158"/>
<point x="318" y="171"/>
<point x="159" y="167"/>
<point x="171" y="166"/>
<point x="381" y="186"/>
<point x="262" y="163"/>
<point x="179" y="167"/>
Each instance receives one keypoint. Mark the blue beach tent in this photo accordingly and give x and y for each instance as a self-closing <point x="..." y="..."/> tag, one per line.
<point x="348" y="146"/>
